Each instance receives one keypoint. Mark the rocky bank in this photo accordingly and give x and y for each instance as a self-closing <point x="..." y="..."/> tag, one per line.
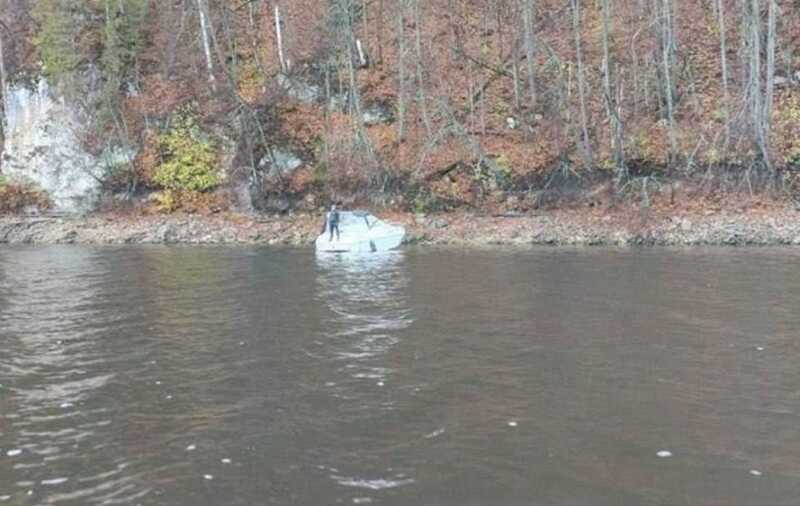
<point x="773" y="225"/>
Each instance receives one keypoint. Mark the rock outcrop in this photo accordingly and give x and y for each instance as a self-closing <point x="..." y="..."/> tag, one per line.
<point x="43" y="146"/>
<point x="282" y="162"/>
<point x="376" y="113"/>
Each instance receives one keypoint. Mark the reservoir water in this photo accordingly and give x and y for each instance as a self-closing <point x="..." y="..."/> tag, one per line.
<point x="245" y="376"/>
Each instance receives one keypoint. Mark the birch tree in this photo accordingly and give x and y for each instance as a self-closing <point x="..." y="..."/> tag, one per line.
<point x="204" y="32"/>
<point x="279" y="39"/>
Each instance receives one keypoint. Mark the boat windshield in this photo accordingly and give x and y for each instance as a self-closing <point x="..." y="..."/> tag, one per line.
<point x="355" y="220"/>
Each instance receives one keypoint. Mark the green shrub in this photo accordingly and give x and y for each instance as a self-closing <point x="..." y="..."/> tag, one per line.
<point x="504" y="172"/>
<point x="793" y="157"/>
<point x="190" y="160"/>
<point x="425" y="202"/>
<point x="493" y="175"/>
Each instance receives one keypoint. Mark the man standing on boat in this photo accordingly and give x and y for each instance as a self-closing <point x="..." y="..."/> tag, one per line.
<point x="332" y="222"/>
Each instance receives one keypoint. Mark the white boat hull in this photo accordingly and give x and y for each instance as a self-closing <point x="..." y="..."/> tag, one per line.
<point x="360" y="232"/>
<point x="381" y="240"/>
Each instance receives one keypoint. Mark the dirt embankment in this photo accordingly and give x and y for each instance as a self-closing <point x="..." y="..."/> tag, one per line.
<point x="777" y="224"/>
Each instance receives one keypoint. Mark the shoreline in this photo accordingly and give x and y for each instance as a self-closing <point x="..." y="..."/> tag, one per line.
<point x="769" y="226"/>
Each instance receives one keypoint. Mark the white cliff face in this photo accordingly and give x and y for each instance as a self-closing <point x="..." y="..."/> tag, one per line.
<point x="42" y="146"/>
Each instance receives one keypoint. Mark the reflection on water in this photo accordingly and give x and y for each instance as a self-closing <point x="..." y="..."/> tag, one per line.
<point x="52" y="326"/>
<point x="369" y="308"/>
<point x="239" y="376"/>
<point x="366" y="295"/>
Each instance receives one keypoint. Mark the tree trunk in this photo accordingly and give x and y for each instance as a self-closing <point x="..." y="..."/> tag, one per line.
<point x="279" y="37"/>
<point x="576" y="25"/>
<point x="380" y="32"/>
<point x="611" y="102"/>
<point x="756" y="108"/>
<point x="667" y="46"/>
<point x="355" y="98"/>
<point x="723" y="58"/>
<point x="421" y="95"/>
<point x="230" y="40"/>
<point x="606" y="58"/>
<point x="361" y="135"/>
<point x="515" y="73"/>
<point x="363" y="59"/>
<point x="527" y="17"/>
<point x="364" y="21"/>
<point x="255" y="42"/>
<point x="173" y="36"/>
<point x="3" y="79"/>
<point x="201" y="8"/>
<point x="401" y="71"/>
<point x="770" y="85"/>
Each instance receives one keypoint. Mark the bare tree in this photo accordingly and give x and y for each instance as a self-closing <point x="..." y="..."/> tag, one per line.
<point x="606" y="66"/>
<point x="754" y="95"/>
<point x="576" y="25"/>
<point x="515" y="59"/>
<point x="343" y="18"/>
<point x="421" y="94"/>
<point x="527" y="20"/>
<point x="667" y="58"/>
<point x="401" y="68"/>
<point x="613" y="111"/>
<point x="770" y="84"/>
<point x="255" y="39"/>
<point x="3" y="76"/>
<point x="723" y="59"/>
<point x="380" y="31"/>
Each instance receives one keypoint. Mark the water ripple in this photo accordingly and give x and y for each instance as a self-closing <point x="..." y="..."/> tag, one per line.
<point x="129" y="375"/>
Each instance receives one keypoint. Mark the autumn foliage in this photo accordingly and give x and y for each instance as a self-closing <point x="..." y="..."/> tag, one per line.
<point x="485" y="100"/>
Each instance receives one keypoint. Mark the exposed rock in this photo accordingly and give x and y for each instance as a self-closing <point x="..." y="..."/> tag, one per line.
<point x="69" y="237"/>
<point x="244" y="197"/>
<point x="167" y="233"/>
<point x="300" y="90"/>
<point x="276" y="203"/>
<point x="781" y="82"/>
<point x="282" y="162"/>
<point x="377" y="113"/>
<point x="440" y="223"/>
<point x="43" y="147"/>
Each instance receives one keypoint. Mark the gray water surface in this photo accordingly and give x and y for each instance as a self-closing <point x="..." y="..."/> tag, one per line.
<point x="235" y="376"/>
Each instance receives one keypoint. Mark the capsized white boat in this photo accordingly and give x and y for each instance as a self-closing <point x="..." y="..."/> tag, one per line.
<point x="361" y="232"/>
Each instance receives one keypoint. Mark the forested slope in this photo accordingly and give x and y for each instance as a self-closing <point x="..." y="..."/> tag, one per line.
<point x="418" y="104"/>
